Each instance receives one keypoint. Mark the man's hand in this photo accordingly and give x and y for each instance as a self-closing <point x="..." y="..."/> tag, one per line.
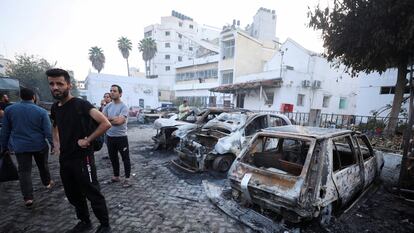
<point x="84" y="143"/>
<point x="55" y="151"/>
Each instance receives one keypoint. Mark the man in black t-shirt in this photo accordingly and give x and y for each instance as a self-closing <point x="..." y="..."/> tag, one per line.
<point x="70" y="118"/>
<point x="4" y="103"/>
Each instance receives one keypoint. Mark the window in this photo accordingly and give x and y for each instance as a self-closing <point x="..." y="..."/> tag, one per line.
<point x="270" y="95"/>
<point x="167" y="68"/>
<point x="190" y="48"/>
<point x="343" y="153"/>
<point x="180" y="24"/>
<point x="180" y="47"/>
<point x="167" y="57"/>
<point x="365" y="147"/>
<point x="167" y="45"/>
<point x="301" y="100"/>
<point x="191" y="26"/>
<point x="228" y="49"/>
<point x="325" y="102"/>
<point x="167" y="33"/>
<point x="342" y="103"/>
<point x="180" y="36"/>
<point x="180" y="58"/>
<point x="276" y="121"/>
<point x="227" y="77"/>
<point x="390" y="90"/>
<point x="148" y="34"/>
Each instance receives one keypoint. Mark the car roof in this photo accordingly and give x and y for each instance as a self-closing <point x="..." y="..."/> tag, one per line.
<point x="308" y="131"/>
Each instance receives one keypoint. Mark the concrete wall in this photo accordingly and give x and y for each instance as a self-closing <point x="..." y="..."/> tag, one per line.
<point x="133" y="89"/>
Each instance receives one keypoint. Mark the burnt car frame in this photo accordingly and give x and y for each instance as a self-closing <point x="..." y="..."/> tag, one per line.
<point x="165" y="127"/>
<point x="216" y="144"/>
<point x="302" y="173"/>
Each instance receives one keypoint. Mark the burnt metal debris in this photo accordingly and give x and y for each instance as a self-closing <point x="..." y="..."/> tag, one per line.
<point x="303" y="173"/>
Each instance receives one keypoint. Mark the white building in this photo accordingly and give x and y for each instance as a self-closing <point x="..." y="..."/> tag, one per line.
<point x="264" y="25"/>
<point x="295" y="79"/>
<point x="178" y="38"/>
<point x="4" y="62"/>
<point x="377" y="91"/>
<point x="136" y="91"/>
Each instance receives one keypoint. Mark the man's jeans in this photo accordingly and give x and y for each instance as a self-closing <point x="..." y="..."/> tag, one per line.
<point x="24" y="161"/>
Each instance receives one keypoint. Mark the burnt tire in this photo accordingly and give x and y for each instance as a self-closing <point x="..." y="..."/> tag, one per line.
<point x="325" y="216"/>
<point x="223" y="163"/>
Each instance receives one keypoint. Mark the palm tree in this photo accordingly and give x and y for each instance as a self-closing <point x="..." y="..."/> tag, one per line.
<point x="97" y="58"/>
<point x="148" y="47"/>
<point x="125" y="45"/>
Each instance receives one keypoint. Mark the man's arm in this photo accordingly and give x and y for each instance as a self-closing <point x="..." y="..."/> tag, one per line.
<point x="47" y="129"/>
<point x="56" y="142"/>
<point x="103" y="126"/>
<point x="121" y="119"/>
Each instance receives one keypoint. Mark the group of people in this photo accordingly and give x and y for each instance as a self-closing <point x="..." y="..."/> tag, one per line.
<point x="29" y="132"/>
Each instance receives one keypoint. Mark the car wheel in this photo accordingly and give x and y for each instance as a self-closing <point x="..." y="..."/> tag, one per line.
<point x="325" y="216"/>
<point x="223" y="163"/>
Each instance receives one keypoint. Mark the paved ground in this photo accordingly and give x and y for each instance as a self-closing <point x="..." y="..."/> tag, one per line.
<point x="160" y="200"/>
<point x="164" y="199"/>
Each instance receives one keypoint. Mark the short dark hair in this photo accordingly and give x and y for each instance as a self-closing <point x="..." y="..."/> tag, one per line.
<point x="119" y="88"/>
<point x="26" y="94"/>
<point x="56" y="72"/>
<point x="107" y="93"/>
<point x="185" y="101"/>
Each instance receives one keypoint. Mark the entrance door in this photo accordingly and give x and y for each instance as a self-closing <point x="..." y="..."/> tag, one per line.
<point x="240" y="100"/>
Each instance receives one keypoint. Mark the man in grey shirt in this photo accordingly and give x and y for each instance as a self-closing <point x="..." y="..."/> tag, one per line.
<point x="117" y="140"/>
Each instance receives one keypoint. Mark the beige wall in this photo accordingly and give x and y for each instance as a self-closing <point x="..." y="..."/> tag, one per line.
<point x="208" y="80"/>
<point x="197" y="68"/>
<point x="250" y="56"/>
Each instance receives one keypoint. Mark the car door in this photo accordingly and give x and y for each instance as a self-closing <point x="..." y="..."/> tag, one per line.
<point x="347" y="172"/>
<point x="367" y="156"/>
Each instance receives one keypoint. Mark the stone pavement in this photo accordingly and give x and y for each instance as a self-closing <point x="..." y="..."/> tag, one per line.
<point x="162" y="199"/>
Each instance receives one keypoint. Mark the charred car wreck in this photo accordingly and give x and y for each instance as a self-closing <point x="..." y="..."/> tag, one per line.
<point x="216" y="144"/>
<point x="165" y="127"/>
<point x="302" y="173"/>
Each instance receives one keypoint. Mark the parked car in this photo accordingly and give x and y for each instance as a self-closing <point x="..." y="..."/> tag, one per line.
<point x="216" y="144"/>
<point x="195" y="118"/>
<point x="304" y="172"/>
<point x="150" y="115"/>
<point x="134" y="111"/>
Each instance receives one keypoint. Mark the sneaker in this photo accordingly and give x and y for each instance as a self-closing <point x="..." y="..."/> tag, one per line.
<point x="115" y="179"/>
<point x="82" y="226"/>
<point x="126" y="183"/>
<point x="103" y="229"/>
<point x="28" y="203"/>
<point x="50" y="185"/>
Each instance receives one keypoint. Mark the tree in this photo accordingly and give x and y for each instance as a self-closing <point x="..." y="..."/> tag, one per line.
<point x="368" y="36"/>
<point x="148" y="47"/>
<point x="125" y="45"/>
<point x="97" y="58"/>
<point x="30" y="71"/>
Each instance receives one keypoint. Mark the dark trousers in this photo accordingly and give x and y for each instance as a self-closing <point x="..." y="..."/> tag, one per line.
<point x="115" y="145"/>
<point x="80" y="185"/>
<point x="24" y="161"/>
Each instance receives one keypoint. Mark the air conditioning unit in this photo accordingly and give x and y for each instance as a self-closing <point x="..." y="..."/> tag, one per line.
<point x="306" y="83"/>
<point x="316" y="84"/>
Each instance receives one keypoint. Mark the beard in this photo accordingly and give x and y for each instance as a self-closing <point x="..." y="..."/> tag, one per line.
<point x="58" y="95"/>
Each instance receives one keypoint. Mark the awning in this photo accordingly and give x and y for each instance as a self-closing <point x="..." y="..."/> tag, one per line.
<point x="233" y="88"/>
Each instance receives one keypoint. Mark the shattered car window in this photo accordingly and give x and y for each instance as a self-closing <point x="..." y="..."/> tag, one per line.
<point x="278" y="154"/>
<point x="343" y="153"/>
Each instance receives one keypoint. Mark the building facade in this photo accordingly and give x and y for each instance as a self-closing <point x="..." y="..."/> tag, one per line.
<point x="178" y="38"/>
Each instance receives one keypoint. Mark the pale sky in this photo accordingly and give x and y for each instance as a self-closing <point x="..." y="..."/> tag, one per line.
<point x="64" y="30"/>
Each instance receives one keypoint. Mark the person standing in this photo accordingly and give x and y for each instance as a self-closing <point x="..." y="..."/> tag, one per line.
<point x="117" y="139"/>
<point x="77" y="165"/>
<point x="27" y="127"/>
<point x="106" y="100"/>
<point x="183" y="109"/>
<point x="4" y="103"/>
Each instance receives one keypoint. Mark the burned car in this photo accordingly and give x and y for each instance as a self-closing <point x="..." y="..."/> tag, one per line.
<point x="195" y="118"/>
<point x="150" y="115"/>
<point x="216" y="144"/>
<point x="302" y="173"/>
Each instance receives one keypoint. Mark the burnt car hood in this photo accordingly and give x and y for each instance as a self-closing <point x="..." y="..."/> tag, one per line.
<point x="168" y="122"/>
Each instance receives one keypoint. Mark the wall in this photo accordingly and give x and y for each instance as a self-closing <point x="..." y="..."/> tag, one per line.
<point x="133" y="89"/>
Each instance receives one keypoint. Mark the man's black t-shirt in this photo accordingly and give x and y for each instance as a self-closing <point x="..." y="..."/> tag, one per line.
<point x="68" y="119"/>
<point x="3" y="105"/>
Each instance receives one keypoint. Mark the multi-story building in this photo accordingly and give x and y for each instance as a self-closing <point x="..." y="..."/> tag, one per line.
<point x="264" y="25"/>
<point x="4" y="62"/>
<point x="178" y="38"/>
